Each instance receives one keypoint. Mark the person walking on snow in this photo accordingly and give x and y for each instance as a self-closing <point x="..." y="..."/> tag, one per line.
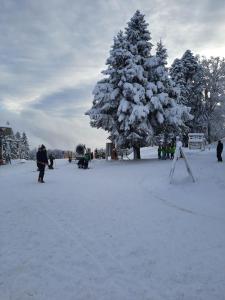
<point x="219" y="150"/>
<point x="42" y="161"/>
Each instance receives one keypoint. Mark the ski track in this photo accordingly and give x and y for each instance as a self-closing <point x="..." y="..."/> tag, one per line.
<point x="180" y="208"/>
<point x="145" y="184"/>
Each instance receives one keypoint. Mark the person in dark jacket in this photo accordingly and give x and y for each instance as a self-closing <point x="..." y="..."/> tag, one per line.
<point x="160" y="151"/>
<point x="83" y="162"/>
<point x="39" y="147"/>
<point x="51" y="158"/>
<point x="219" y="150"/>
<point x="42" y="161"/>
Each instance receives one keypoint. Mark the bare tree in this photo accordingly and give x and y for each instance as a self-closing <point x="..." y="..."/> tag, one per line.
<point x="214" y="94"/>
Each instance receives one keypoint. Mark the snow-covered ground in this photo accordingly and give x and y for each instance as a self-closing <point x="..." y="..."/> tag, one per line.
<point x="117" y="231"/>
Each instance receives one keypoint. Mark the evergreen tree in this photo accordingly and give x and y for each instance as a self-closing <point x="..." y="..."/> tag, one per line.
<point x="177" y="75"/>
<point x="119" y="104"/>
<point x="107" y="92"/>
<point x="13" y="146"/>
<point x="161" y="54"/>
<point x="190" y="66"/>
<point x="18" y="144"/>
<point x="18" y="135"/>
<point x="166" y="115"/>
<point x="136" y="96"/>
<point x="133" y="111"/>
<point x="188" y="76"/>
<point x="24" y="147"/>
<point x="194" y="87"/>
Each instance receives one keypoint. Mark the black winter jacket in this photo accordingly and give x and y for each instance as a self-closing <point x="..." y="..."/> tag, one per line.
<point x="42" y="157"/>
<point x="219" y="148"/>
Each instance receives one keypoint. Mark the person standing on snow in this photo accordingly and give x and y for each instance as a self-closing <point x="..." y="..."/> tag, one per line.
<point x="159" y="151"/>
<point x="51" y="158"/>
<point x="168" y="151"/>
<point x="42" y="161"/>
<point x="164" y="151"/>
<point x="39" y="147"/>
<point x="172" y="151"/>
<point x="219" y="150"/>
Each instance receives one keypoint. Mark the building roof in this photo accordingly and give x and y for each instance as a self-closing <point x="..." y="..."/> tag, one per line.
<point x="5" y="130"/>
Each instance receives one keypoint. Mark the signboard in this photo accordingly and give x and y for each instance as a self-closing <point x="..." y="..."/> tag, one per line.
<point x="196" y="141"/>
<point x="180" y="153"/>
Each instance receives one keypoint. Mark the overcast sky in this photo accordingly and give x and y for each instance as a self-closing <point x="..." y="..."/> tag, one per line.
<point x="52" y="53"/>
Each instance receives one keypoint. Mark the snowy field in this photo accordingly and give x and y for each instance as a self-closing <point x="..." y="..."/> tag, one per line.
<point x="117" y="231"/>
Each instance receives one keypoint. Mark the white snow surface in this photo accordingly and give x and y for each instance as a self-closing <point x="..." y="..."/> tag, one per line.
<point x="117" y="231"/>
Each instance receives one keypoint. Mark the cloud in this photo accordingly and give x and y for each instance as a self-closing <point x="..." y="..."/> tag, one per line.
<point x="52" y="53"/>
<point x="67" y="101"/>
<point x="54" y="131"/>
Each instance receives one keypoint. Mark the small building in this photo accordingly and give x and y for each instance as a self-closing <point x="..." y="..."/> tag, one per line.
<point x="196" y="141"/>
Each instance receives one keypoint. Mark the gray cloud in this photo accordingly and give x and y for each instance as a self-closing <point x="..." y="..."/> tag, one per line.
<point x="54" y="131"/>
<point x="52" y="52"/>
<point x="68" y="102"/>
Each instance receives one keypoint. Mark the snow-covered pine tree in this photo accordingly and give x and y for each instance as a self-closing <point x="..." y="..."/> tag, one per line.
<point x="119" y="104"/>
<point x="13" y="146"/>
<point x="166" y="115"/>
<point x="24" y="147"/>
<point x="194" y="88"/>
<point x="127" y="101"/>
<point x="135" y="128"/>
<point x="148" y="106"/>
<point x="177" y="75"/>
<point x="107" y="92"/>
<point x="6" y="151"/>
<point x="18" y="144"/>
<point x="161" y="55"/>
<point x="190" y="66"/>
<point x="188" y="76"/>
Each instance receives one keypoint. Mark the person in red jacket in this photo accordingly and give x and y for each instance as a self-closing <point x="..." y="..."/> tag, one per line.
<point x="42" y="161"/>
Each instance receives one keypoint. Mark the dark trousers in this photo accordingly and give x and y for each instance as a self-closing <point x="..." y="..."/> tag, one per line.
<point x="51" y="164"/>
<point x="41" y="168"/>
<point x="219" y="157"/>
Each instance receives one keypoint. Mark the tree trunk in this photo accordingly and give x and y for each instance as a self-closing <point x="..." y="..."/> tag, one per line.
<point x="137" y="152"/>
